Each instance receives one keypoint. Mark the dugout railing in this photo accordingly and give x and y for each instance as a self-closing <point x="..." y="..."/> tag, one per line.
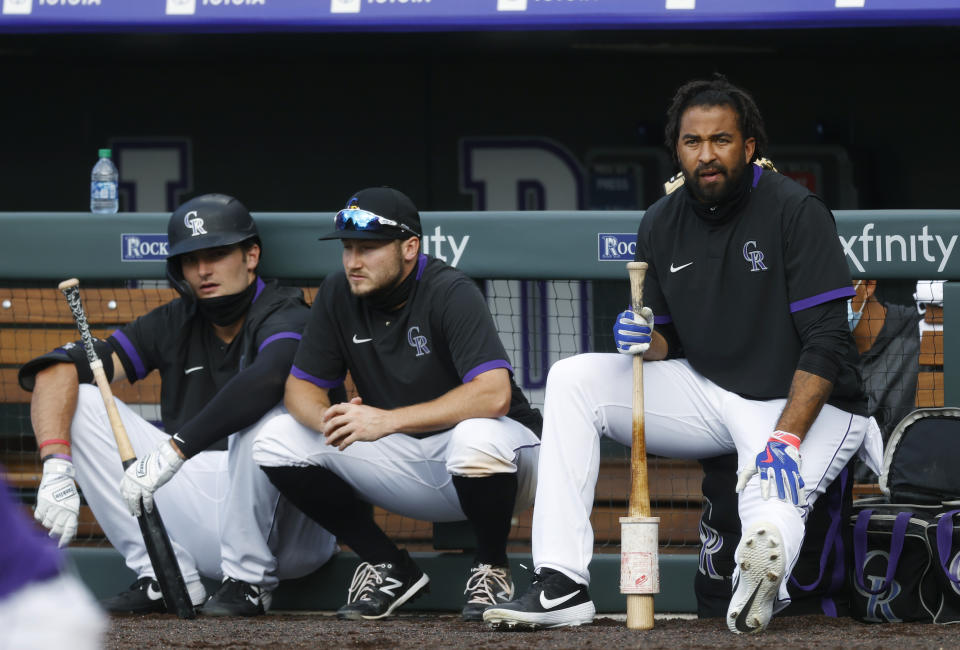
<point x="554" y="281"/>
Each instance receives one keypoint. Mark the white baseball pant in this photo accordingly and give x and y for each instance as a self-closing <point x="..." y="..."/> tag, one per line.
<point x="685" y="416"/>
<point x="223" y="516"/>
<point x="407" y="475"/>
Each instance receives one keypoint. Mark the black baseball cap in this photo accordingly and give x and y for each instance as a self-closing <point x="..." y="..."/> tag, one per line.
<point x="377" y="213"/>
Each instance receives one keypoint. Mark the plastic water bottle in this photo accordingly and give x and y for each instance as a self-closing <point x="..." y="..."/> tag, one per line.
<point x="103" y="185"/>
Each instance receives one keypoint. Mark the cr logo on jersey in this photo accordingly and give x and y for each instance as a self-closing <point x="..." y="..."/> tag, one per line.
<point x="754" y="256"/>
<point x="192" y="221"/>
<point x="418" y="341"/>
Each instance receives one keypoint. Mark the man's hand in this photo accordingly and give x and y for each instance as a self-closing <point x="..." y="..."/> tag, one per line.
<point x="58" y="502"/>
<point x="779" y="461"/>
<point x="143" y="478"/>
<point x="346" y="423"/>
<point x="632" y="331"/>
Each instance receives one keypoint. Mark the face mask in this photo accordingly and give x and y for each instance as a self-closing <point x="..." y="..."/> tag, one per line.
<point x="853" y="317"/>
<point x="226" y="310"/>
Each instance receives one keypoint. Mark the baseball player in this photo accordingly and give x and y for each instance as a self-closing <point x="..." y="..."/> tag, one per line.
<point x="439" y="432"/>
<point x="745" y="326"/>
<point x="32" y="586"/>
<point x="223" y="350"/>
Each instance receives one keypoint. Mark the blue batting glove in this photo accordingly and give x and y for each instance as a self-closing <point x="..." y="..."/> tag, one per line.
<point x="632" y="331"/>
<point x="779" y="461"/>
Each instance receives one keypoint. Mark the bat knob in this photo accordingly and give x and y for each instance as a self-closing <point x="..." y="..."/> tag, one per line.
<point x="68" y="284"/>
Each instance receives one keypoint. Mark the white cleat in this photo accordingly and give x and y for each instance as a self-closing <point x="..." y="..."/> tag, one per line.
<point x="762" y="564"/>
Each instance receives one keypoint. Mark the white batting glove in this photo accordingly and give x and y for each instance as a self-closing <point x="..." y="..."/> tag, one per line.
<point x="633" y="330"/>
<point x="143" y="478"/>
<point x="58" y="502"/>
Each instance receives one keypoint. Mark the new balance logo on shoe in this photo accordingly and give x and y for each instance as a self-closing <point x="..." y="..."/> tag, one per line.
<point x="391" y="588"/>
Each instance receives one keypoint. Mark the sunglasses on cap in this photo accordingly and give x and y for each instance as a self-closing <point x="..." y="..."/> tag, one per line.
<point x="357" y="219"/>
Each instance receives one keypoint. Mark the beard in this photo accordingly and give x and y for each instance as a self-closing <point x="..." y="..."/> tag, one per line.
<point x="715" y="192"/>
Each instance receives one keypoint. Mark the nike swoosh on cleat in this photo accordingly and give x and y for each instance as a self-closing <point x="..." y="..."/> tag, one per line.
<point x="741" y="621"/>
<point x="153" y="593"/>
<point x="356" y="340"/>
<point x="550" y="603"/>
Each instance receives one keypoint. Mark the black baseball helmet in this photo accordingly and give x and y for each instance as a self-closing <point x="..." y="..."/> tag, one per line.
<point x="207" y="221"/>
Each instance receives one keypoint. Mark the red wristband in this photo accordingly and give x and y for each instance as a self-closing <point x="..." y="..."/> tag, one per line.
<point x="786" y="437"/>
<point x="53" y="441"/>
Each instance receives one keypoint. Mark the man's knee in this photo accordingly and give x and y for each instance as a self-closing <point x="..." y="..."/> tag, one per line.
<point x="474" y="451"/>
<point x="267" y="440"/>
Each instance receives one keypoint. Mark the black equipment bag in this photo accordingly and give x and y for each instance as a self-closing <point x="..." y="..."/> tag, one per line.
<point x="944" y="540"/>
<point x="819" y="583"/>
<point x="919" y="463"/>
<point x="893" y="570"/>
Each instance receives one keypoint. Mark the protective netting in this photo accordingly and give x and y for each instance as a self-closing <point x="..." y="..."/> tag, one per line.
<point x="539" y="323"/>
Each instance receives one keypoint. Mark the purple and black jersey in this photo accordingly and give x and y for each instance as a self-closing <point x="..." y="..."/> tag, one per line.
<point x="26" y="553"/>
<point x="209" y="388"/>
<point x="194" y="364"/>
<point x="442" y="337"/>
<point x="736" y="289"/>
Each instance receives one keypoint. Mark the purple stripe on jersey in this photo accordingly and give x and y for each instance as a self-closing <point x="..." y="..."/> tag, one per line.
<point x="261" y="285"/>
<point x="819" y="299"/>
<point x="316" y="381"/>
<point x="757" y="171"/>
<point x="421" y="265"/>
<point x="662" y="320"/>
<point x="278" y="336"/>
<point x="131" y="351"/>
<point x="489" y="365"/>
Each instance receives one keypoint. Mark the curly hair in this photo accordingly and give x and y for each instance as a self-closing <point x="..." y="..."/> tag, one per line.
<point x="716" y="91"/>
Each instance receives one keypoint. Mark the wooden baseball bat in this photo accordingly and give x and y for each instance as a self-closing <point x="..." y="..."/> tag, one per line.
<point x="639" y="606"/>
<point x="155" y="537"/>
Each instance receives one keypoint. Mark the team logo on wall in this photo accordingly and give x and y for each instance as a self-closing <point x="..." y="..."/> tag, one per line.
<point x="616" y="246"/>
<point x="17" y="7"/>
<point x="753" y="255"/>
<point x="181" y="7"/>
<point x="143" y="247"/>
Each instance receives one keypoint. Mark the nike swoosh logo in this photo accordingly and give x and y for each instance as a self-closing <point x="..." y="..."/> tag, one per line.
<point x="674" y="269"/>
<point x="741" y="622"/>
<point x="550" y="603"/>
<point x="153" y="593"/>
<point x="356" y="340"/>
<point x="177" y="437"/>
<point x="769" y="458"/>
<point x="194" y="369"/>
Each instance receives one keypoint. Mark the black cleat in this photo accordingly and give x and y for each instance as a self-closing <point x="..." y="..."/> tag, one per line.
<point x="553" y="600"/>
<point x="488" y="585"/>
<point x="377" y="590"/>
<point x="143" y="597"/>
<point x="237" y="598"/>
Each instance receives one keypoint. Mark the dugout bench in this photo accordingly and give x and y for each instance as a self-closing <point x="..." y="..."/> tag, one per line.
<point x="34" y="318"/>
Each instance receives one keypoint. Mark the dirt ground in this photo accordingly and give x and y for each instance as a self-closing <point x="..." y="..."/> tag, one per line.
<point x="421" y="631"/>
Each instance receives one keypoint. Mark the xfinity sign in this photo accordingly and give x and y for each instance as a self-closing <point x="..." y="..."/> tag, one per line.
<point x="143" y="247"/>
<point x="616" y="246"/>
